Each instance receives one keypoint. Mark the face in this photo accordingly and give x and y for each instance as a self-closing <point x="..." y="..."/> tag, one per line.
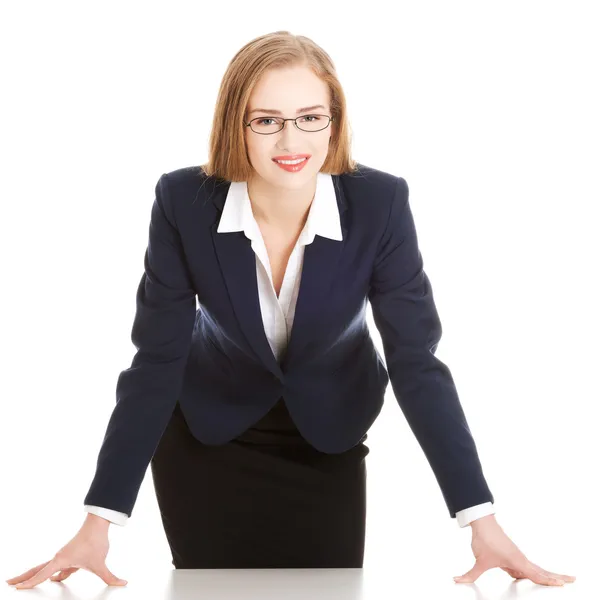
<point x="287" y="90"/>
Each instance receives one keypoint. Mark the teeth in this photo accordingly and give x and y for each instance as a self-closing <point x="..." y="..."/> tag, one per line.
<point x="290" y="162"/>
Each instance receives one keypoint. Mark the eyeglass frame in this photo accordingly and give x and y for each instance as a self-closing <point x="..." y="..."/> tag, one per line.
<point x="285" y="120"/>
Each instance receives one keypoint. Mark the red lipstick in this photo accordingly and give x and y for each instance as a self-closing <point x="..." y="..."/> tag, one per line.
<point x="292" y="167"/>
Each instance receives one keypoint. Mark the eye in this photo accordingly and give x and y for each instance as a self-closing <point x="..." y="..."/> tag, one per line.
<point x="310" y="117"/>
<point x="259" y="121"/>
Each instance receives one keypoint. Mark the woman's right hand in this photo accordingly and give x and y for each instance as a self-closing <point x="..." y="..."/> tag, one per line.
<point x="86" y="550"/>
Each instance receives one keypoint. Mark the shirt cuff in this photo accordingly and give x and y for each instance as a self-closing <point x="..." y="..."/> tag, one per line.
<point x="466" y="516"/>
<point x="116" y="517"/>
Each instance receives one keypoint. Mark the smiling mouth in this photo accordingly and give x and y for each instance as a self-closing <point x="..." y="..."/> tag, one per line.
<point x="292" y="166"/>
<point x="292" y="161"/>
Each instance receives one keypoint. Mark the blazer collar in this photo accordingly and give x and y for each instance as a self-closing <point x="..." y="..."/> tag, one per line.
<point x="323" y="218"/>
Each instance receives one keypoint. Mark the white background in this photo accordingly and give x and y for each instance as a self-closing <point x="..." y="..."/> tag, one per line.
<point x="484" y="108"/>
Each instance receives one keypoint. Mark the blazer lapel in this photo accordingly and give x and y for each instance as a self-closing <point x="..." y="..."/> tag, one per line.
<point x="237" y="261"/>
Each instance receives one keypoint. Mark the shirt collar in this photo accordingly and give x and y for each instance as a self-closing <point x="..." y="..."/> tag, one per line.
<point x="323" y="218"/>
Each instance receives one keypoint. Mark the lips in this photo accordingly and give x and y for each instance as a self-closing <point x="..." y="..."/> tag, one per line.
<point x="291" y="157"/>
<point x="293" y="167"/>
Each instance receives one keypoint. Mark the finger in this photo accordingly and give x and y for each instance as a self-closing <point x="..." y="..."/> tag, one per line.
<point x="64" y="574"/>
<point x="41" y="575"/>
<point x="26" y="574"/>
<point x="514" y="573"/>
<point x="107" y="576"/>
<point x="472" y="575"/>
<point x="538" y="575"/>
<point x="566" y="578"/>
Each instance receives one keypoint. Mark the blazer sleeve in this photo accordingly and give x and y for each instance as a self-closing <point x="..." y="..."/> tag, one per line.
<point x="146" y="392"/>
<point x="406" y="317"/>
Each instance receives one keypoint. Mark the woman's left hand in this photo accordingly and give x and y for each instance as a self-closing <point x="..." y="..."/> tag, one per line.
<point x="492" y="548"/>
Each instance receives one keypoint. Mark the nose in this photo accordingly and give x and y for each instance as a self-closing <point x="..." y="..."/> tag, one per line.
<point x="288" y="135"/>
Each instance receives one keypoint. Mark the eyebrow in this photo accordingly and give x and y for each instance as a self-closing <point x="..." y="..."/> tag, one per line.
<point x="272" y="111"/>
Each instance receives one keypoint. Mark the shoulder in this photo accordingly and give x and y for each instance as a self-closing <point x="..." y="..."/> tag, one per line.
<point x="187" y="189"/>
<point x="386" y="191"/>
<point x="187" y="182"/>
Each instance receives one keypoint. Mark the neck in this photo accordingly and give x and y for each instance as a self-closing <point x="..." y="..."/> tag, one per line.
<point x="280" y="207"/>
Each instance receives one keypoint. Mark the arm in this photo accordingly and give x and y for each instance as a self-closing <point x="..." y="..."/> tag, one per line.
<point x="146" y="392"/>
<point x="404" y="311"/>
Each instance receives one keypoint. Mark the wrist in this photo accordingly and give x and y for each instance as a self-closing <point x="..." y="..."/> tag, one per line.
<point x="95" y="522"/>
<point x="482" y="521"/>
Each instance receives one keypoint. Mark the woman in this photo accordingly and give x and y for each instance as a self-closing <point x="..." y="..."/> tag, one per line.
<point x="253" y="410"/>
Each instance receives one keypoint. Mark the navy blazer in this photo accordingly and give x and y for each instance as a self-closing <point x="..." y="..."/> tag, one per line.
<point x="217" y="362"/>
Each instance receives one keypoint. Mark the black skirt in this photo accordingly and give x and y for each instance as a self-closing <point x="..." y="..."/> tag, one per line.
<point x="267" y="499"/>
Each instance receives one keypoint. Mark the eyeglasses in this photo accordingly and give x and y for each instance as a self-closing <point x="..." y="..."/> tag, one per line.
<point x="317" y="123"/>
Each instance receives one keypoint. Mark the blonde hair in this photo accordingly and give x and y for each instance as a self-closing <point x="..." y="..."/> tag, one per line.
<point x="228" y="157"/>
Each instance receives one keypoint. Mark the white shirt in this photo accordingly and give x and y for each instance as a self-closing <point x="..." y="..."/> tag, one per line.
<point x="278" y="312"/>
